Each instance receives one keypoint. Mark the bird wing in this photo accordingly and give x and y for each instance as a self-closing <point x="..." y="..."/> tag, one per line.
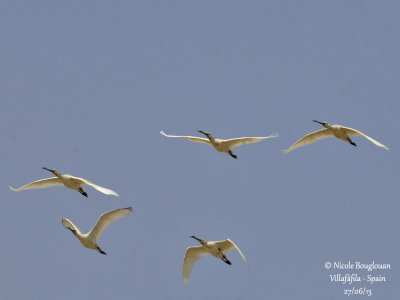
<point x="311" y="138"/>
<point x="40" y="184"/>
<point x="351" y="131"/>
<point x="191" y="256"/>
<point x="68" y="224"/>
<point x="97" y="187"/>
<point x="228" y="245"/>
<point x="194" y="139"/>
<point x="246" y="140"/>
<point x="106" y="219"/>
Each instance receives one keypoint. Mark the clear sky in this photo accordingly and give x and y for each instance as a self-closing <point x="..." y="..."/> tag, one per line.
<point x="86" y="86"/>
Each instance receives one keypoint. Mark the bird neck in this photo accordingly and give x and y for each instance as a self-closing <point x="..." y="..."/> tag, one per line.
<point x="57" y="174"/>
<point x="212" y="140"/>
<point x="202" y="242"/>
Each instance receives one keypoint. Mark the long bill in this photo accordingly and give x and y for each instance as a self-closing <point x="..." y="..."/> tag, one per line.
<point x="318" y="122"/>
<point x="50" y="170"/>
<point x="200" y="240"/>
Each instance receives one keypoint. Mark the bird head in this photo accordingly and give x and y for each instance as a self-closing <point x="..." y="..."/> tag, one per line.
<point x="205" y="133"/>
<point x="199" y="240"/>
<point x="322" y="123"/>
<point x="55" y="172"/>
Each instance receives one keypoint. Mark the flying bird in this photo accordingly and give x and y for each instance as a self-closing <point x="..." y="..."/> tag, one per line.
<point x="219" y="144"/>
<point x="217" y="249"/>
<point x="69" y="181"/>
<point x="89" y="240"/>
<point x="338" y="131"/>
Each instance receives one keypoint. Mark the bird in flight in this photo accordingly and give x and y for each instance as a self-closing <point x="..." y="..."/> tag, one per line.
<point x="217" y="249"/>
<point x="89" y="240"/>
<point x="338" y="131"/>
<point x="222" y="145"/>
<point x="69" y="181"/>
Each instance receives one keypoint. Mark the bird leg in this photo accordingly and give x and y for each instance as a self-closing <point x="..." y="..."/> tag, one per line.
<point x="224" y="259"/>
<point x="351" y="142"/>
<point x="83" y="192"/>
<point x="231" y="154"/>
<point x="101" y="251"/>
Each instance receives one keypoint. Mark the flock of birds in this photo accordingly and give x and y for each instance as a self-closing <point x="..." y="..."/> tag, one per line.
<point x="226" y="146"/>
<point x="217" y="249"/>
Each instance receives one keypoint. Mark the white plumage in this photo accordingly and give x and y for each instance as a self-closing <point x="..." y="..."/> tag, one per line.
<point x="89" y="240"/>
<point x="338" y="131"/>
<point x="69" y="181"/>
<point x="217" y="249"/>
<point x="219" y="144"/>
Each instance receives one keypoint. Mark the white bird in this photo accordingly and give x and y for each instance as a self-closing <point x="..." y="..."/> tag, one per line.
<point x="89" y="240"/>
<point x="217" y="249"/>
<point x="69" y="181"/>
<point x="338" y="131"/>
<point x="219" y="144"/>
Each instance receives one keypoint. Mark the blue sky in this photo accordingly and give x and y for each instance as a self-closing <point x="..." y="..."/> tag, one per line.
<point x="86" y="88"/>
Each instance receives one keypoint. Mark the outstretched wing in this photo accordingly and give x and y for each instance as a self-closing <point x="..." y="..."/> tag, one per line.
<point x="40" y="184"/>
<point x="191" y="256"/>
<point x="351" y="131"/>
<point x="232" y="143"/>
<point x="228" y="245"/>
<point x="97" y="187"/>
<point x="106" y="219"/>
<point x="311" y="138"/>
<point x="194" y="139"/>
